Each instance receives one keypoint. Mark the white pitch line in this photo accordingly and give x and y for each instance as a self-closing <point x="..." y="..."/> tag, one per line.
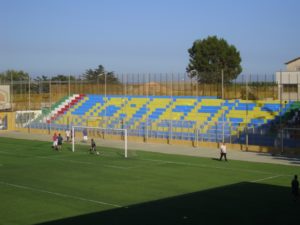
<point x="266" y="178"/>
<point x="59" y="194"/>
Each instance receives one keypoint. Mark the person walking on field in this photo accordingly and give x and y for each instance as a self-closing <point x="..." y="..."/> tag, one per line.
<point x="223" y="151"/>
<point x="295" y="187"/>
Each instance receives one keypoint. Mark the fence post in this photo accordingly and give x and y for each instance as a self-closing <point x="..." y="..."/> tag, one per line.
<point x="230" y="138"/>
<point x="281" y="140"/>
<point x="29" y="104"/>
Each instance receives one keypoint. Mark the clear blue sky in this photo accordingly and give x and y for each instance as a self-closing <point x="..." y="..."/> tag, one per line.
<point x="50" y="37"/>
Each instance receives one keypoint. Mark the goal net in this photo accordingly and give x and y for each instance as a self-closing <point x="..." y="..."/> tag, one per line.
<point x="84" y="134"/>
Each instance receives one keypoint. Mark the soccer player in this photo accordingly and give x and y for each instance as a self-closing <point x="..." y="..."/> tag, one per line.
<point x="93" y="147"/>
<point x="59" y="141"/>
<point x="54" y="139"/>
<point x="72" y="135"/>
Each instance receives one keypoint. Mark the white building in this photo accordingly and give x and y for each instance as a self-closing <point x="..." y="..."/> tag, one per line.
<point x="289" y="81"/>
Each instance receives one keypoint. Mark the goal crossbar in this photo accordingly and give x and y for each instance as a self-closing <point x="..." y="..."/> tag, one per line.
<point x="104" y="129"/>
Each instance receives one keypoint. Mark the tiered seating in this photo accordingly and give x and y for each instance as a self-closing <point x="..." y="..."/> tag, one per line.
<point x="184" y="115"/>
<point x="47" y="112"/>
<point x="63" y="106"/>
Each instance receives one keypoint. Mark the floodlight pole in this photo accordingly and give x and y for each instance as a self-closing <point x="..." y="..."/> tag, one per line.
<point x="147" y="106"/>
<point x="50" y="99"/>
<point x="12" y="92"/>
<point x="29" y="104"/>
<point x="223" y="119"/>
<point x="247" y="138"/>
<point x="171" y="127"/>
<point x="69" y="90"/>
<point x="222" y="74"/>
<point x="69" y="86"/>
<point x="125" y="140"/>
<point x="280" y="115"/>
<point x="105" y="97"/>
<point x="197" y="95"/>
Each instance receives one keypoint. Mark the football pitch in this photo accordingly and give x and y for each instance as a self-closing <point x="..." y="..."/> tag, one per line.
<point x="41" y="186"/>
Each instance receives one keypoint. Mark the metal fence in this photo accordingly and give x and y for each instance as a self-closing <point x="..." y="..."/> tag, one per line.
<point x="36" y="94"/>
<point x="182" y="130"/>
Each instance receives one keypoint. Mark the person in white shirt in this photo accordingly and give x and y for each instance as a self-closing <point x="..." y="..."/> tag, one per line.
<point x="68" y="133"/>
<point x="85" y="135"/>
<point x="223" y="151"/>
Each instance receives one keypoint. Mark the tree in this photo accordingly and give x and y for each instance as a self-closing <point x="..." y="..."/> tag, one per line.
<point x="19" y="79"/>
<point x="99" y="75"/>
<point x="208" y="57"/>
<point x="39" y="85"/>
<point x="61" y="77"/>
<point x="14" y="75"/>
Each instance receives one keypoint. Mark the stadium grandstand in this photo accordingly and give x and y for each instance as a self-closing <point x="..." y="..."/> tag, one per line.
<point x="249" y="115"/>
<point x="185" y="118"/>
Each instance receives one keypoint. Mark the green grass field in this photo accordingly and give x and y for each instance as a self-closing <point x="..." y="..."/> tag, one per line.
<point x="42" y="186"/>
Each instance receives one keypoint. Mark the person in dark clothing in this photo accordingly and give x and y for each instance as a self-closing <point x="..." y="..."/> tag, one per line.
<point x="59" y="141"/>
<point x="295" y="187"/>
<point x="93" y="147"/>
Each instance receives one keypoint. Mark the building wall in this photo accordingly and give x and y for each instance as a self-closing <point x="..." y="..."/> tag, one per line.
<point x="293" y="66"/>
<point x="7" y="120"/>
<point x="284" y="79"/>
<point x="4" y="97"/>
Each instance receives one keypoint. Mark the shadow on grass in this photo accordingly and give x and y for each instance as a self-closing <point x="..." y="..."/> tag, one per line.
<point x="292" y="159"/>
<point x="242" y="203"/>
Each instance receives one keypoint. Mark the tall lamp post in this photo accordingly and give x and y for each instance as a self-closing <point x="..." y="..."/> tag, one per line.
<point x="12" y="92"/>
<point x="247" y="138"/>
<point x="223" y="119"/>
<point x="195" y="73"/>
<point x="105" y="97"/>
<point x="50" y="105"/>
<point x="29" y="104"/>
<point x="69" y="99"/>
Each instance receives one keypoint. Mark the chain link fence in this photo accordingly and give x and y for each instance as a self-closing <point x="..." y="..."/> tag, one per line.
<point x="36" y="94"/>
<point x="182" y="130"/>
<point x="31" y="98"/>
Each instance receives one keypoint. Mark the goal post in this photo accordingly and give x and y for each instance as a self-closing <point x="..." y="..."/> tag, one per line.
<point x="112" y="131"/>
